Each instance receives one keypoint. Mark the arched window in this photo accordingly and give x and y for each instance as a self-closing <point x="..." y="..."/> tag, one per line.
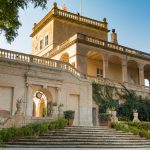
<point x="147" y="82"/>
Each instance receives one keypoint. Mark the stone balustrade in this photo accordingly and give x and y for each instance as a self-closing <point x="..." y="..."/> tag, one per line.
<point x="21" y="57"/>
<point x="116" y="47"/>
<point x="80" y="19"/>
<point x="114" y="83"/>
<point x="72" y="17"/>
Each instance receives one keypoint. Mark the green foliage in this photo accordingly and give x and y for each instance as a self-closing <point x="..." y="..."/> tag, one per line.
<point x="105" y="117"/>
<point x="103" y="95"/>
<point x="69" y="114"/>
<point x="30" y="130"/>
<point x="54" y="104"/>
<point x="140" y="125"/>
<point x="9" y="15"/>
<point x="133" y="102"/>
<point x="137" y="128"/>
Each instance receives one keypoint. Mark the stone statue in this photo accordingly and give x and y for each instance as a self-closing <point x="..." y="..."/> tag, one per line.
<point x="135" y="116"/>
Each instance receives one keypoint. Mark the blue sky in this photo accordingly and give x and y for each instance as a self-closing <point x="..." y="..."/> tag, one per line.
<point x="130" y="18"/>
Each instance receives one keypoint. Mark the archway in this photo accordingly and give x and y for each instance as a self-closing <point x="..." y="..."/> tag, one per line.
<point x="65" y="57"/>
<point x="133" y="72"/>
<point x="115" y="68"/>
<point x="94" y="64"/>
<point x="42" y="104"/>
<point x="147" y="75"/>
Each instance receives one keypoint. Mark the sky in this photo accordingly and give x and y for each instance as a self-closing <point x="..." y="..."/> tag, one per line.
<point x="130" y="18"/>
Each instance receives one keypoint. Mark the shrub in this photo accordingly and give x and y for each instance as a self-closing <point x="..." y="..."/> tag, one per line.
<point x="105" y="117"/>
<point x="30" y="130"/>
<point x="141" y="125"/>
<point x="133" y="127"/>
<point x="69" y="114"/>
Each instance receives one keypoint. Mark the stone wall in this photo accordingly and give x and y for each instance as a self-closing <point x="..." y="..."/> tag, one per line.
<point x="59" y="86"/>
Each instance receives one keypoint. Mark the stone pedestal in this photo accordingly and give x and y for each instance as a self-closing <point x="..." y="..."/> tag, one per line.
<point x="55" y="111"/>
<point x="135" y="115"/>
<point x="114" y="116"/>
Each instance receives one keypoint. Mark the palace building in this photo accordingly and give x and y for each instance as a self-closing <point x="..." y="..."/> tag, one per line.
<point x="69" y="52"/>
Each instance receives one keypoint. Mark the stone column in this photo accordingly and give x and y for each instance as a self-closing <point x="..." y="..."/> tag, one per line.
<point x="29" y="109"/>
<point x="82" y="64"/>
<point x="60" y="109"/>
<point x="105" y="67"/>
<point x="124" y="72"/>
<point x="141" y="75"/>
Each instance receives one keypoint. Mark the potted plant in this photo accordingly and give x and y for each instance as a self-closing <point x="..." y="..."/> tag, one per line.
<point x="69" y="115"/>
<point x="105" y="119"/>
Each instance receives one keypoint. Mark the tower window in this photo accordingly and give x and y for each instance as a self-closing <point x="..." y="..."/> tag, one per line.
<point x="46" y="40"/>
<point x="99" y="72"/>
<point x="41" y="44"/>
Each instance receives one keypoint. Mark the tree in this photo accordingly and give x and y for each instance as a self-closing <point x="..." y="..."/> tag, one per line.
<point x="9" y="15"/>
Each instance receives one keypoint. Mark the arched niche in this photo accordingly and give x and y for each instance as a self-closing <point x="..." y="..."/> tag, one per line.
<point x="115" y="68"/>
<point x="133" y="72"/>
<point x="94" y="64"/>
<point x="42" y="103"/>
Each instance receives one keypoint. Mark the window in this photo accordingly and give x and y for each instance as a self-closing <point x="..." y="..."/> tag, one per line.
<point x="99" y="72"/>
<point x="46" y="40"/>
<point x="41" y="44"/>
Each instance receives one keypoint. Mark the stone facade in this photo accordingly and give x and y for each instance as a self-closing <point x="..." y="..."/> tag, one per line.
<point x="21" y="79"/>
<point x="69" y="53"/>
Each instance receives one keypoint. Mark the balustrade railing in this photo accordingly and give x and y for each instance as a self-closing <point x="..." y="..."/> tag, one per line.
<point x="21" y="57"/>
<point x="73" y="17"/>
<point x="116" y="47"/>
<point x="114" y="83"/>
<point x="80" y="19"/>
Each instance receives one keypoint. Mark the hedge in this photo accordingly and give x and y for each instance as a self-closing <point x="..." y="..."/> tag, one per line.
<point x="137" y="128"/>
<point x="32" y="129"/>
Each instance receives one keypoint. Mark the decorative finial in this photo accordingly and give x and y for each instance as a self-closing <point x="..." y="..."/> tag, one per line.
<point x="113" y="30"/>
<point x="114" y="37"/>
<point x="55" y="5"/>
<point x="104" y="20"/>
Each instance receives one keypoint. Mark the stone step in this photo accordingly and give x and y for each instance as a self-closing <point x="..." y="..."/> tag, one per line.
<point x="88" y="128"/>
<point x="86" y="140"/>
<point x="89" y="135"/>
<point x="77" y="146"/>
<point x="88" y="132"/>
<point x="76" y="143"/>
<point x="82" y="137"/>
<point x="85" y="137"/>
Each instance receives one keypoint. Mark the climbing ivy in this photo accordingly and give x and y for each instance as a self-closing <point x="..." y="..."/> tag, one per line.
<point x="107" y="97"/>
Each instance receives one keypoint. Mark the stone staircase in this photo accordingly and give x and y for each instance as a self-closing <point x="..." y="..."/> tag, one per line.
<point x="82" y="137"/>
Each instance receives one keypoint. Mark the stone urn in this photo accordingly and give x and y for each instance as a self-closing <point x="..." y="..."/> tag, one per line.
<point x="108" y="111"/>
<point x="19" y="106"/>
<point x="135" y="116"/>
<point x="114" y="116"/>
